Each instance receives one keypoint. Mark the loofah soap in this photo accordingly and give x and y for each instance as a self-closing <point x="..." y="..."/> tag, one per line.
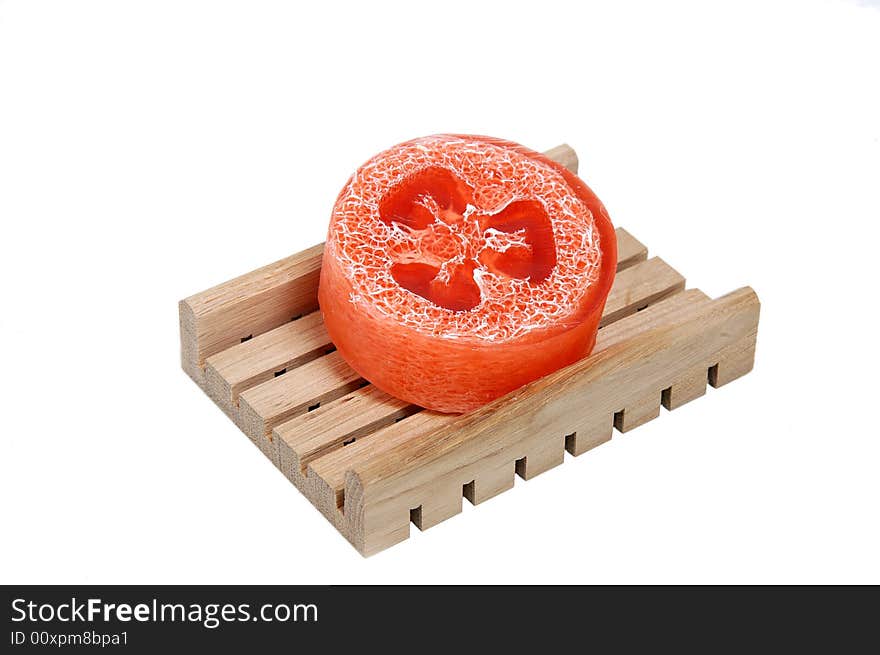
<point x="458" y="268"/>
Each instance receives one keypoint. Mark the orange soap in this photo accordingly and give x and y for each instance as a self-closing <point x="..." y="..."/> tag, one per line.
<point x="458" y="268"/>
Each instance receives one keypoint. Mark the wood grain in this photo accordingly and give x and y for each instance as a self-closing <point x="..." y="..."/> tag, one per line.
<point x="564" y="154"/>
<point x="264" y="357"/>
<point x="630" y="250"/>
<point x="263" y="407"/>
<point x="339" y="423"/>
<point x="251" y="304"/>
<point x="638" y="286"/>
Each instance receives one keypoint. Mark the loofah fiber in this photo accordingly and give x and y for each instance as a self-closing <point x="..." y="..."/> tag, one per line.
<point x="458" y="268"/>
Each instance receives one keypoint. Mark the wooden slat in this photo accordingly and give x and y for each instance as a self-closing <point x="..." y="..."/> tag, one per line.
<point x="564" y="154"/>
<point x="638" y="357"/>
<point x="339" y="423"/>
<point x="263" y="357"/>
<point x="630" y="250"/>
<point x="331" y="468"/>
<point x="251" y="304"/>
<point x="487" y="474"/>
<point x="324" y="379"/>
<point x="638" y="286"/>
<point x="483" y="478"/>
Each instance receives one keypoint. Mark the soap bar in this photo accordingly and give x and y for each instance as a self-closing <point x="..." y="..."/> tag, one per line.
<point x="458" y="268"/>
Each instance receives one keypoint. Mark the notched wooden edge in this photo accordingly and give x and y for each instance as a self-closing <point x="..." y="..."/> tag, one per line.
<point x="370" y="479"/>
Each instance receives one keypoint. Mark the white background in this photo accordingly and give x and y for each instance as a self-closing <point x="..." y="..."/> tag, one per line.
<point x="149" y="150"/>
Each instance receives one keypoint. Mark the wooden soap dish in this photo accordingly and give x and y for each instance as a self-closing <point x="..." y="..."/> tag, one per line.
<point x="372" y="463"/>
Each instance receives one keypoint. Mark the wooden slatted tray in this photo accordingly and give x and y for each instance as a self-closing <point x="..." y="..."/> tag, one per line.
<point x="372" y="464"/>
